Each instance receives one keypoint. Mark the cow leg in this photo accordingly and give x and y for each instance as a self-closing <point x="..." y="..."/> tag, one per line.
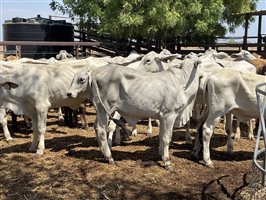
<point x="198" y="142"/>
<point x="188" y="135"/>
<point x="197" y="111"/>
<point x="3" y="121"/>
<point x="117" y="136"/>
<point x="157" y="122"/>
<point x="250" y="130"/>
<point x="238" y="132"/>
<point x="207" y="133"/>
<point x="134" y="131"/>
<point x="27" y="121"/>
<point x="35" y="138"/>
<point x="60" y="115"/>
<point x="165" y="136"/>
<point x="229" y="131"/>
<point x="149" y="131"/>
<point x="41" y="128"/>
<point x="74" y="117"/>
<point x="14" y="121"/>
<point x="111" y="128"/>
<point x="111" y="136"/>
<point x="101" y="130"/>
<point x="68" y="117"/>
<point x="82" y="111"/>
<point x="83" y="118"/>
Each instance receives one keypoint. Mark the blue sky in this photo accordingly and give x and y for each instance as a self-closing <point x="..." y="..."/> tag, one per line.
<point x="31" y="8"/>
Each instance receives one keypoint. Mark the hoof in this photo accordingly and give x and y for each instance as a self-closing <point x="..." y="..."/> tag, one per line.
<point x="9" y="139"/>
<point x="230" y="153"/>
<point x="86" y="127"/>
<point x="39" y="152"/>
<point x="169" y="168"/>
<point x="251" y="138"/>
<point x="194" y="156"/>
<point x="61" y="119"/>
<point x="117" y="143"/>
<point x="111" y="161"/>
<point x="32" y="149"/>
<point x="211" y="166"/>
<point x="134" y="134"/>
<point x="149" y="134"/>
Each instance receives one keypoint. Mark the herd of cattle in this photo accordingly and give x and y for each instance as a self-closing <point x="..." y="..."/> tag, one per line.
<point x="162" y="86"/>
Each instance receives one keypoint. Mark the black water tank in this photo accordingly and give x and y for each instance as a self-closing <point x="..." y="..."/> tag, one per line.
<point x="38" y="29"/>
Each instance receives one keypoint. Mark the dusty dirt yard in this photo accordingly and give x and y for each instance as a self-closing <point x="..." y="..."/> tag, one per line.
<point x="73" y="167"/>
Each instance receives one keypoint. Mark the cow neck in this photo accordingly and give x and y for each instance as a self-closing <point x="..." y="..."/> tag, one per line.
<point x="187" y="75"/>
<point x="187" y="72"/>
<point x="190" y="77"/>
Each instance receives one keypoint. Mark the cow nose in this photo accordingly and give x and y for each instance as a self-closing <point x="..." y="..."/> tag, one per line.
<point x="69" y="94"/>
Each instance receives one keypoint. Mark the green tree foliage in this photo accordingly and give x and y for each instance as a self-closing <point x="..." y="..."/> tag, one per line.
<point x="157" y="18"/>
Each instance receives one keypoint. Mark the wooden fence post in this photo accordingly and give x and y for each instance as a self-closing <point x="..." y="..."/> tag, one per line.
<point x="245" y="38"/>
<point x="18" y="51"/>
<point x="259" y="34"/>
<point x="76" y="51"/>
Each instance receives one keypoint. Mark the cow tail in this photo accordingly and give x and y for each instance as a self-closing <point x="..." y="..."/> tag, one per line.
<point x="205" y="111"/>
<point x="98" y="100"/>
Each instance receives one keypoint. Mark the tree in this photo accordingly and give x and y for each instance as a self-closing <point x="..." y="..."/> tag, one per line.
<point x="157" y="18"/>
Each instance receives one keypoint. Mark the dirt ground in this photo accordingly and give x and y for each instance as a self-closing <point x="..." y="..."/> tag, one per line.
<point x="73" y="167"/>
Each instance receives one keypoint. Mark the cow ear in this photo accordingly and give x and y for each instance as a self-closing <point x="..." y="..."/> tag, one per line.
<point x="89" y="77"/>
<point x="10" y="85"/>
<point x="197" y="62"/>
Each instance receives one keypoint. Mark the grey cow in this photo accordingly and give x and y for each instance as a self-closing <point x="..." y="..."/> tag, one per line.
<point x="227" y="91"/>
<point x="132" y="93"/>
<point x="39" y="87"/>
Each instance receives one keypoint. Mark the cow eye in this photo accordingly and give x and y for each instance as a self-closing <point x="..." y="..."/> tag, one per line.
<point x="82" y="80"/>
<point x="148" y="61"/>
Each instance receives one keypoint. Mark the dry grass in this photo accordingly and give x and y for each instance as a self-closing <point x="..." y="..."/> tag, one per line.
<point x="73" y="167"/>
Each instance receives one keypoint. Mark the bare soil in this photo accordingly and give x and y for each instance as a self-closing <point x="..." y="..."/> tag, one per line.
<point x="73" y="167"/>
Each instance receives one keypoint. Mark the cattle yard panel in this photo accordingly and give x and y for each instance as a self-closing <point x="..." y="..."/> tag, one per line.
<point x="258" y="183"/>
<point x="112" y="48"/>
<point x="176" y="45"/>
<point x="18" y="45"/>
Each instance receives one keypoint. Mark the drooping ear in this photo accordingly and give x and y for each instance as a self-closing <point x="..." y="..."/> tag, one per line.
<point x="197" y="62"/>
<point x="169" y="58"/>
<point x="159" y="64"/>
<point x="4" y="81"/>
<point x="10" y="85"/>
<point x="89" y="77"/>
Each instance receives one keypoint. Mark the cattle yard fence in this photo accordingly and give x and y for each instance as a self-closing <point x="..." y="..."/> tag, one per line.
<point x="258" y="184"/>
<point x="103" y="45"/>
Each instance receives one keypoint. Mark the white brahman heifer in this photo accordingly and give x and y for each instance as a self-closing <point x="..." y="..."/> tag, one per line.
<point x="131" y="93"/>
<point x="228" y="91"/>
<point x="64" y="68"/>
<point x="213" y="61"/>
<point x="40" y="87"/>
<point x="151" y="62"/>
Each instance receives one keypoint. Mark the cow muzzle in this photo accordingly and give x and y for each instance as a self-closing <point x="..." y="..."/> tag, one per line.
<point x="69" y="94"/>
